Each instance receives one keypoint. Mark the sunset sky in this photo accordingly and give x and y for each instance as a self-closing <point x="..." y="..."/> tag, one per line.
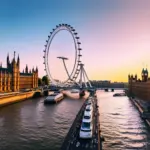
<point x="115" y="35"/>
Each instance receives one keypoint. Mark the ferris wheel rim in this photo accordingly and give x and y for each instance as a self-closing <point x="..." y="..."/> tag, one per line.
<point x="74" y="73"/>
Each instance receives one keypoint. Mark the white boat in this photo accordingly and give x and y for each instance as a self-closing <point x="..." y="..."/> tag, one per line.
<point x="54" y="98"/>
<point x="89" y="108"/>
<point x="87" y="117"/>
<point x="75" y="91"/>
<point x="86" y="130"/>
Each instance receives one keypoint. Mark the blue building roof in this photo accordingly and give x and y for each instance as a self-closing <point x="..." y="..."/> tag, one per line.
<point x="26" y="74"/>
<point x="5" y="69"/>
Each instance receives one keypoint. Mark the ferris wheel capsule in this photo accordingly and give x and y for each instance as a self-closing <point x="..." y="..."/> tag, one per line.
<point x="77" y="37"/>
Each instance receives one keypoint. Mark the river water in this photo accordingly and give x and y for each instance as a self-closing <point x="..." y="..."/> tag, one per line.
<point x="121" y="125"/>
<point x="31" y="125"/>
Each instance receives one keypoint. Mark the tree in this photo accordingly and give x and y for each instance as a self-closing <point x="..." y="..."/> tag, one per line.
<point x="45" y="80"/>
<point x="39" y="81"/>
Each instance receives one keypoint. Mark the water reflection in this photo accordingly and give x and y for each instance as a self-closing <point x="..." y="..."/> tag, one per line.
<point x="121" y="124"/>
<point x="31" y="125"/>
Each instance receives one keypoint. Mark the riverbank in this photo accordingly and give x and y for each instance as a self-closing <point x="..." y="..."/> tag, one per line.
<point x="16" y="97"/>
<point x="142" y="108"/>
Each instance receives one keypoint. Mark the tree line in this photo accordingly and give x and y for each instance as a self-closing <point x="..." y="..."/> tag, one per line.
<point x="43" y="81"/>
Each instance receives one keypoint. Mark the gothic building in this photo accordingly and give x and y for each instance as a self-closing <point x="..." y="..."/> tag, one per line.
<point x="11" y="79"/>
<point x="140" y="87"/>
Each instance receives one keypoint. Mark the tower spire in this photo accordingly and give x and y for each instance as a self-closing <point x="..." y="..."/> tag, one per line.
<point x="33" y="70"/>
<point x="14" y="61"/>
<point x="7" y="61"/>
<point x="14" y="54"/>
<point x="18" y="57"/>
<point x="8" y="56"/>
<point x="36" y="69"/>
<point x="18" y="61"/>
<point x="26" y="69"/>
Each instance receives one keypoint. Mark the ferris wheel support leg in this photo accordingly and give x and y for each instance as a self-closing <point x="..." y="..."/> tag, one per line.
<point x="84" y="80"/>
<point x="66" y="68"/>
<point x="68" y="73"/>
<point x="87" y="78"/>
<point x="76" y="83"/>
<point x="81" y="73"/>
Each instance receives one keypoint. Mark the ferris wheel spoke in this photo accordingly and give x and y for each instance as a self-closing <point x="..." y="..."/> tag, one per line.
<point x="72" y="77"/>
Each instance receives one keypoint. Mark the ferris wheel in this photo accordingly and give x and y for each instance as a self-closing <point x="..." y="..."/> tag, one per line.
<point x="76" y="69"/>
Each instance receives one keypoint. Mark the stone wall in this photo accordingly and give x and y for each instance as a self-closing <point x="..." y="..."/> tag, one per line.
<point x="140" y="89"/>
<point x="8" y="99"/>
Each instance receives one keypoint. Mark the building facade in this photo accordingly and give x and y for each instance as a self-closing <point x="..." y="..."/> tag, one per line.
<point x="140" y="87"/>
<point x="11" y="79"/>
<point x="107" y="84"/>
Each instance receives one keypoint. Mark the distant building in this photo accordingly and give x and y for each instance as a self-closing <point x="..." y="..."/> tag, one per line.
<point x="140" y="87"/>
<point x="107" y="84"/>
<point x="11" y="79"/>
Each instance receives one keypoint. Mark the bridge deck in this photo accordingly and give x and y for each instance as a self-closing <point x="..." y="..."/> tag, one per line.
<point x="72" y="140"/>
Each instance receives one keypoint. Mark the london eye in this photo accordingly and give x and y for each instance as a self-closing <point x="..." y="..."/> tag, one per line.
<point x="76" y="68"/>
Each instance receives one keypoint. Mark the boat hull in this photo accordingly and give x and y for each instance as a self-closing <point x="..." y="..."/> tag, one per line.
<point x="49" y="102"/>
<point x="55" y="100"/>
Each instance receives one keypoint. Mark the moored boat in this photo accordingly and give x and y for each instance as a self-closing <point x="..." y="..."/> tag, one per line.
<point x="53" y="98"/>
<point x="119" y="94"/>
<point x="75" y="91"/>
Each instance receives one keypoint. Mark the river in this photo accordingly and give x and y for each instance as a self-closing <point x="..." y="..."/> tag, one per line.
<point x="121" y="124"/>
<point x="31" y="125"/>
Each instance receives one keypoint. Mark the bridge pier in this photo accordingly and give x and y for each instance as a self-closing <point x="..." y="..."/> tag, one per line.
<point x="46" y="93"/>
